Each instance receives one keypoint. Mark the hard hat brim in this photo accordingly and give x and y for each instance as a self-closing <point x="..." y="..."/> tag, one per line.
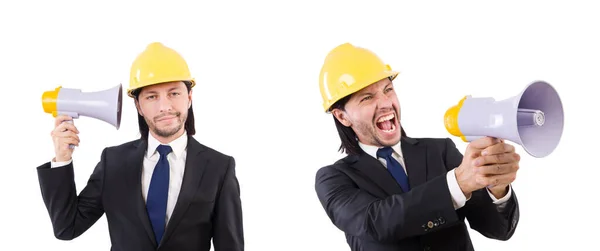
<point x="356" y="88"/>
<point x="130" y="91"/>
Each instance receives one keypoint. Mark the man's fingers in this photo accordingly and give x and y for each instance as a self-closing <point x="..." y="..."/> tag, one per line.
<point x="70" y="126"/>
<point x="65" y="143"/>
<point x="61" y="118"/>
<point x="66" y="126"/>
<point x="498" y="169"/>
<point x="498" y="149"/>
<point x="483" y="143"/>
<point x="61" y="127"/>
<point x="71" y="141"/>
<point x="66" y="134"/>
<point x="495" y="180"/>
<point x="502" y="158"/>
<point x="473" y="154"/>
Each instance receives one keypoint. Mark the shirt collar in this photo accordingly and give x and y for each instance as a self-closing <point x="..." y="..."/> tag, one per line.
<point x="178" y="145"/>
<point x="372" y="150"/>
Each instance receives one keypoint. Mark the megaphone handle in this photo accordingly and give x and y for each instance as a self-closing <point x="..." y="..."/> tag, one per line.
<point x="472" y="138"/>
<point x="73" y="115"/>
<point x="71" y="146"/>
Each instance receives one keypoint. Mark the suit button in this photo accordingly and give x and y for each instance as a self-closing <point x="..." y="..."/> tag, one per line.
<point x="430" y="224"/>
<point x="442" y="220"/>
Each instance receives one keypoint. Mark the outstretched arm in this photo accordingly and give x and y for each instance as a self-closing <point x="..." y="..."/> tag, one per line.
<point x="492" y="217"/>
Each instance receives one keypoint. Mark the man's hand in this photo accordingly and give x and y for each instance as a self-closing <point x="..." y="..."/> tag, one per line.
<point x="63" y="135"/>
<point x="488" y="162"/>
<point x="500" y="163"/>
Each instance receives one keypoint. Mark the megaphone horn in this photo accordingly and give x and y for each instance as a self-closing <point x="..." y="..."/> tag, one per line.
<point x="533" y="119"/>
<point x="103" y="105"/>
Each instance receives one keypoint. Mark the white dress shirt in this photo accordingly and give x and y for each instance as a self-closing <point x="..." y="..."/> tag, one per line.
<point x="458" y="197"/>
<point x="176" y="160"/>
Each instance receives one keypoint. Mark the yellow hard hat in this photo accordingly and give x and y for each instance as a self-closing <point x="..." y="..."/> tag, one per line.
<point x="158" y="64"/>
<point x="348" y="69"/>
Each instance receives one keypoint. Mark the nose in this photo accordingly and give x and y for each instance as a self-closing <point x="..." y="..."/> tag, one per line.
<point x="384" y="102"/>
<point x="164" y="104"/>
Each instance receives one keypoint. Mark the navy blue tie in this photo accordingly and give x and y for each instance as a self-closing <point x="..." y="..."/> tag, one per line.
<point x="156" y="204"/>
<point x="394" y="167"/>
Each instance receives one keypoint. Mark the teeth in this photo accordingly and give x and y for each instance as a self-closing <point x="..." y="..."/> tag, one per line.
<point x="392" y="129"/>
<point x="386" y="118"/>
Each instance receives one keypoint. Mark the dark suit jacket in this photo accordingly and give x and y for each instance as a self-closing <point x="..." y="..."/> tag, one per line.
<point x="208" y="205"/>
<point x="362" y="199"/>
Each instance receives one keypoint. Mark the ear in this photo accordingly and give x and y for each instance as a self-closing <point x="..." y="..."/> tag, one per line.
<point x="190" y="99"/>
<point x="342" y="117"/>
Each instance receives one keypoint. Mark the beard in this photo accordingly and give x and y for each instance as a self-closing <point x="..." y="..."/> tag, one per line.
<point x="370" y="135"/>
<point x="167" y="131"/>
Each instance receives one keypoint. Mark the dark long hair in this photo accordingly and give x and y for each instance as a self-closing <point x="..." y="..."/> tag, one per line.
<point x="349" y="141"/>
<point x="189" y="122"/>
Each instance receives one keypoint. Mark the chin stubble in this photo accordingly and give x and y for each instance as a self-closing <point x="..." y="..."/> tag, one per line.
<point x="168" y="132"/>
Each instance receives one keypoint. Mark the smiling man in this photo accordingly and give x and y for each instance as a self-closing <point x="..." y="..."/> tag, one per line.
<point x="394" y="192"/>
<point x="164" y="191"/>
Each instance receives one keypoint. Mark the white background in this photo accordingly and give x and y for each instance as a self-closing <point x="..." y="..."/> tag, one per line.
<point x="257" y="65"/>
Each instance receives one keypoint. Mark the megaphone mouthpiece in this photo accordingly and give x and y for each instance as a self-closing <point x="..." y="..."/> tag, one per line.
<point x="532" y="119"/>
<point x="49" y="101"/>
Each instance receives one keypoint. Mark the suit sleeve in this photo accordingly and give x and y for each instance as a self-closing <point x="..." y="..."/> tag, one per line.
<point x="71" y="214"/>
<point x="391" y="219"/>
<point x="495" y="221"/>
<point x="228" y="223"/>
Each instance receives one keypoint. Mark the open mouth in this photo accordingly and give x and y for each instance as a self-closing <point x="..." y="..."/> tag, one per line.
<point x="387" y="123"/>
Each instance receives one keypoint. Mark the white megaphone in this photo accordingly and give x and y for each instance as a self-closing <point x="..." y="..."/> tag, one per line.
<point x="103" y="105"/>
<point x="533" y="119"/>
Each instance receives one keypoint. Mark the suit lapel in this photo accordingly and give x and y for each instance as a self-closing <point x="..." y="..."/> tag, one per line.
<point x="195" y="165"/>
<point x="415" y="158"/>
<point x="136" y="160"/>
<point x="376" y="172"/>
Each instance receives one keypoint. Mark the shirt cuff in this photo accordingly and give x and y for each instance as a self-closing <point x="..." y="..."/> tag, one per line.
<point x="54" y="164"/>
<point x="503" y="199"/>
<point x="458" y="197"/>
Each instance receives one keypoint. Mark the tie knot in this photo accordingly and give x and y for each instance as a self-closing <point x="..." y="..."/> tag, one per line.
<point x="163" y="150"/>
<point x="384" y="152"/>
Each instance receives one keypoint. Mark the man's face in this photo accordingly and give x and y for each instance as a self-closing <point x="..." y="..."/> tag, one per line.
<point x="374" y="114"/>
<point x="165" y="108"/>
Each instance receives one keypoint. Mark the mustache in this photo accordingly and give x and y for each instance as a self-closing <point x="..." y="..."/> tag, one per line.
<point x="176" y="114"/>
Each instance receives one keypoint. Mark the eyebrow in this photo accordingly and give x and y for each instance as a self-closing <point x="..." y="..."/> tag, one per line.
<point x="364" y="94"/>
<point x="171" y="89"/>
<point x="369" y="93"/>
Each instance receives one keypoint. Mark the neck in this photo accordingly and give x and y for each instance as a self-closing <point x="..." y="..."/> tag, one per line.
<point x="375" y="144"/>
<point x="370" y="144"/>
